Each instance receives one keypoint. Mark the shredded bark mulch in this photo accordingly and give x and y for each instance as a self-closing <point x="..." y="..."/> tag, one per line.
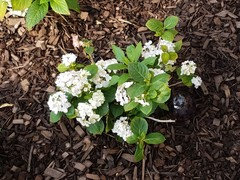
<point x="205" y="146"/>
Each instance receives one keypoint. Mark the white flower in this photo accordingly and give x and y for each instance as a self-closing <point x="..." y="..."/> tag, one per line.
<point x="168" y="44"/>
<point x="188" y="67"/>
<point x="141" y="100"/>
<point x="156" y="71"/>
<point x="68" y="59"/>
<point x="121" y="93"/>
<point x="102" y="78"/>
<point x="86" y="115"/>
<point x="104" y="64"/>
<point x="97" y="99"/>
<point x="150" y="50"/>
<point x="74" y="82"/>
<point x="14" y="13"/>
<point x="197" y="81"/>
<point x="122" y="128"/>
<point x="58" y="102"/>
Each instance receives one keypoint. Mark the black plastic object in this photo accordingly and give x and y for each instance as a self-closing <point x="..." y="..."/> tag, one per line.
<point x="183" y="104"/>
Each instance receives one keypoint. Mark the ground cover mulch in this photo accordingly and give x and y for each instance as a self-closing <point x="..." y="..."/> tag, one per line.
<point x="204" y="146"/>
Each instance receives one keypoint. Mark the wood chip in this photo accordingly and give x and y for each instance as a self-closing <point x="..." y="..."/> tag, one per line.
<point x="216" y="122"/>
<point x="54" y="173"/>
<point x="25" y="85"/>
<point x="128" y="157"/>
<point x="84" y="15"/>
<point x="79" y="166"/>
<point x="93" y="176"/>
<point x="18" y="121"/>
<point x="27" y="117"/>
<point x="79" y="131"/>
<point x="46" y="134"/>
<point x="218" y="80"/>
<point x="87" y="163"/>
<point x="63" y="128"/>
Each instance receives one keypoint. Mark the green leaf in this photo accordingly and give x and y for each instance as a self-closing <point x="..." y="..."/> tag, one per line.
<point x="173" y="56"/>
<point x="55" y="117"/>
<point x="173" y="31"/>
<point x="139" y="126"/>
<point x="170" y="22"/>
<point x="139" y="153"/>
<point x="20" y="5"/>
<point x="149" y="61"/>
<point x="116" y="110"/>
<point x="35" y="13"/>
<point x="164" y="106"/>
<point x="62" y="68"/>
<point x="109" y="93"/>
<point x="152" y="94"/>
<point x="60" y="6"/>
<point x="168" y="36"/>
<point x="119" y="54"/>
<point x="146" y="109"/>
<point x="165" y="57"/>
<point x="89" y="50"/>
<point x="154" y="25"/>
<point x="134" y="53"/>
<point x="136" y="90"/>
<point x="103" y="110"/>
<point x="123" y="78"/>
<point x="178" y="45"/>
<point x="138" y="71"/>
<point x="44" y="1"/>
<point x="165" y="93"/>
<point x="118" y="66"/>
<point x="132" y="139"/>
<point x="114" y="80"/>
<point x="73" y="4"/>
<point x="161" y="77"/>
<point x="93" y="69"/>
<point x="130" y="106"/>
<point x="109" y="124"/>
<point x="71" y="113"/>
<point x="3" y="9"/>
<point x="96" y="128"/>
<point x="154" y="138"/>
<point x="186" y="80"/>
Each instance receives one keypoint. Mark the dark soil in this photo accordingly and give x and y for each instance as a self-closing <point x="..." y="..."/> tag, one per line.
<point x="205" y="146"/>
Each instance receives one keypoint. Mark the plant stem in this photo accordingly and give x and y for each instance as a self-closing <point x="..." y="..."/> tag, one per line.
<point x="175" y="84"/>
<point x="162" y="120"/>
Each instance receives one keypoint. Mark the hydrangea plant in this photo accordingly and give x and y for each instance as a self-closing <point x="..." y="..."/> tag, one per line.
<point x="36" y="10"/>
<point x="119" y="94"/>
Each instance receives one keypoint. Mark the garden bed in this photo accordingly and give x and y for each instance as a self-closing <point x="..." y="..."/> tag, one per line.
<point x="204" y="146"/>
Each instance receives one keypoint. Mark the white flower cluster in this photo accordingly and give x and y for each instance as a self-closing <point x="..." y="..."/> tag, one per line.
<point x="197" y="81"/>
<point x="121" y="93"/>
<point x="102" y="78"/>
<point x="85" y="111"/>
<point x="150" y="50"/>
<point x="86" y="114"/>
<point x="141" y="100"/>
<point x="188" y="68"/>
<point x="168" y="44"/>
<point x="156" y="71"/>
<point x="97" y="99"/>
<point x="74" y="82"/>
<point x="58" y="102"/>
<point x="122" y="128"/>
<point x="14" y="13"/>
<point x="68" y="59"/>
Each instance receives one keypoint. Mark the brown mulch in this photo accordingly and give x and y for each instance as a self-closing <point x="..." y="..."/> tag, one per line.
<point x="204" y="147"/>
